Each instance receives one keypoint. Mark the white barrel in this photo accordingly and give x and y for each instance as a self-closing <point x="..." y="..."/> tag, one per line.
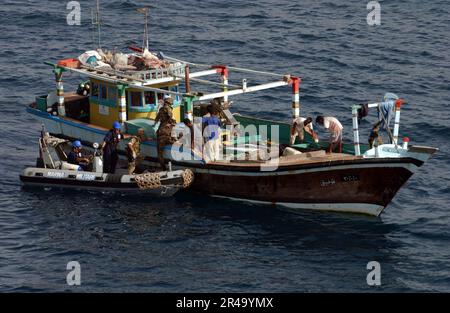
<point x="290" y="151"/>
<point x="70" y="167"/>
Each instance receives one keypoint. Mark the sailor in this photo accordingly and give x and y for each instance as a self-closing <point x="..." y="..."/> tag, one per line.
<point x="299" y="126"/>
<point x="75" y="156"/>
<point x="215" y="105"/>
<point x="335" y="128"/>
<point x="375" y="138"/>
<point x="211" y="134"/>
<point x="109" y="147"/>
<point x="165" y="114"/>
<point x="134" y="150"/>
<point x="164" y="133"/>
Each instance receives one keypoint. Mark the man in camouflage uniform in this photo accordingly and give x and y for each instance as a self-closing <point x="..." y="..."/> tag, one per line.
<point x="134" y="150"/>
<point x="164" y="133"/>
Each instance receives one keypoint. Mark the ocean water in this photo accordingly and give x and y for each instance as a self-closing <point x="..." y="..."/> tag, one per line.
<point x="192" y="244"/>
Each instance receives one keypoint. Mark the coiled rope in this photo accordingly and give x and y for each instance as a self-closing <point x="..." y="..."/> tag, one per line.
<point x="148" y="181"/>
<point x="188" y="178"/>
<point x="153" y="180"/>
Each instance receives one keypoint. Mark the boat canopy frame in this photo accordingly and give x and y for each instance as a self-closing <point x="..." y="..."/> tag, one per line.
<point x="228" y="90"/>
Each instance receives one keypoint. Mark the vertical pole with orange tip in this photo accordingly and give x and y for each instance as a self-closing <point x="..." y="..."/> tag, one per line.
<point x="295" y="96"/>
<point x="398" y="105"/>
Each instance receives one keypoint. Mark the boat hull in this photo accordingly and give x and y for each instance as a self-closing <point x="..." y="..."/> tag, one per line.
<point x="365" y="185"/>
<point x="55" y="178"/>
<point x="359" y="188"/>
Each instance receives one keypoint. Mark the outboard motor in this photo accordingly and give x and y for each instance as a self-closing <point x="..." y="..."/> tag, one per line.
<point x="97" y="165"/>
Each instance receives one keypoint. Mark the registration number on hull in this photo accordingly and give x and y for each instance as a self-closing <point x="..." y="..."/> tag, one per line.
<point x="86" y="177"/>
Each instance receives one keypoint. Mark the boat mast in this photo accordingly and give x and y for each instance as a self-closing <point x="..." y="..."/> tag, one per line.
<point x="146" y="34"/>
<point x="96" y="24"/>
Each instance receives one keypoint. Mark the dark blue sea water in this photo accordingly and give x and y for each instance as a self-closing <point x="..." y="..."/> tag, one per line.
<point x="200" y="244"/>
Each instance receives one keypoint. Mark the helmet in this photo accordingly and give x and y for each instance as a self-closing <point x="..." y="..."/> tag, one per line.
<point x="168" y="99"/>
<point x="116" y="125"/>
<point x="76" y="144"/>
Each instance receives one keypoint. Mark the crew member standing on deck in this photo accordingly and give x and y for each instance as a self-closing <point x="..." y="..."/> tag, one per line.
<point x="134" y="150"/>
<point x="109" y="147"/>
<point x="299" y="126"/>
<point x="164" y="133"/>
<point x="211" y="133"/>
<point x="335" y="128"/>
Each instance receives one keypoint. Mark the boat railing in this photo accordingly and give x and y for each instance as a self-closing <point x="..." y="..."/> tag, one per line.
<point x="175" y="70"/>
<point x="394" y="136"/>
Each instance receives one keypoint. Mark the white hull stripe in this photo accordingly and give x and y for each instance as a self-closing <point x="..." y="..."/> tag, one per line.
<point x="167" y="193"/>
<point x="408" y="166"/>
<point x="362" y="208"/>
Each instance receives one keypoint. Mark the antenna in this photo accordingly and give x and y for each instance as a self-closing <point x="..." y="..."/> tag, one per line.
<point x="145" y="40"/>
<point x="96" y="23"/>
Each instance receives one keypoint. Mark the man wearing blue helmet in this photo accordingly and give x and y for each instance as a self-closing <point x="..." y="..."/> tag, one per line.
<point x="75" y="156"/>
<point x="109" y="147"/>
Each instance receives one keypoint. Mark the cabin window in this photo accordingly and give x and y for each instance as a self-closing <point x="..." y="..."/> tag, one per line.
<point x="135" y="99"/>
<point x="103" y="92"/>
<point x="150" y="98"/>
<point x="94" y="92"/>
<point x="161" y="95"/>
<point x="112" y="94"/>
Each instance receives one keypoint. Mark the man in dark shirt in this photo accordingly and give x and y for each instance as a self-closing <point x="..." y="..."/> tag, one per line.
<point x="75" y="156"/>
<point x="109" y="147"/>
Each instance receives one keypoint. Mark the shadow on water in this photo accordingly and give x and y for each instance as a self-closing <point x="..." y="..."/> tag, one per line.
<point x="292" y="226"/>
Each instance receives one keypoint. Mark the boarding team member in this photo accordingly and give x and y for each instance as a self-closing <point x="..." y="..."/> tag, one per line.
<point x="75" y="156"/>
<point x="109" y="147"/>
<point x="211" y="134"/>
<point x="335" y="128"/>
<point x="299" y="126"/>
<point x="164" y="133"/>
<point x="134" y="150"/>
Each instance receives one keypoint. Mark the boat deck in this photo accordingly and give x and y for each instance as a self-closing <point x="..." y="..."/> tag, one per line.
<point x="311" y="157"/>
<point x="301" y="159"/>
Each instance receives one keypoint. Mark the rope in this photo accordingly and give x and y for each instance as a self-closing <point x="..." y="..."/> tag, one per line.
<point x="203" y="81"/>
<point x="148" y="181"/>
<point x="153" y="180"/>
<point x="188" y="178"/>
<point x="237" y="69"/>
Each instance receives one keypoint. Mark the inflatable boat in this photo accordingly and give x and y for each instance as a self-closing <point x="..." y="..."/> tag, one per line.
<point x="53" y="170"/>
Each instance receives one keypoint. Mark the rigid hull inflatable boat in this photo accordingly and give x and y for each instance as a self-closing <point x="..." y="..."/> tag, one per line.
<point x="53" y="170"/>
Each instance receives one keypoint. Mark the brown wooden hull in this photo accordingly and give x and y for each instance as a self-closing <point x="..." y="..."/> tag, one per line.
<point x="361" y="187"/>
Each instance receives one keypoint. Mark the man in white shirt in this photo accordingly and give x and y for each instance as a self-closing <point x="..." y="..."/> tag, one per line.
<point x="335" y="128"/>
<point x="299" y="126"/>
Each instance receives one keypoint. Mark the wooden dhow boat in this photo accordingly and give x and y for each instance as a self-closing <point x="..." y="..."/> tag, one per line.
<point x="129" y="88"/>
